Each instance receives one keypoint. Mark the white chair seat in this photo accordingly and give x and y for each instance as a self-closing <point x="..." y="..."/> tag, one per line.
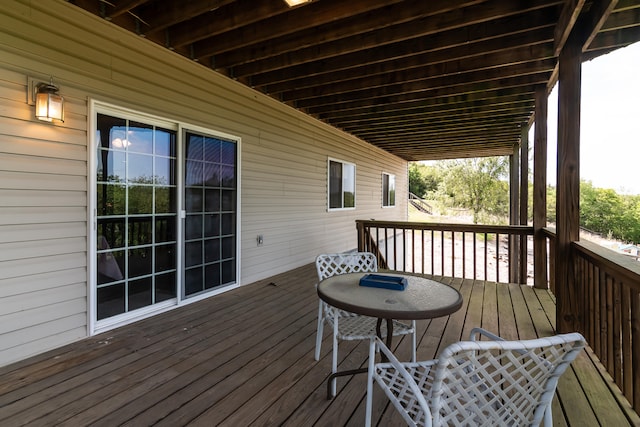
<point x="364" y="327"/>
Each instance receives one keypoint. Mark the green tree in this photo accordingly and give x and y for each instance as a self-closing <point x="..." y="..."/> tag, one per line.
<point x="423" y="179"/>
<point x="478" y="184"/>
<point x="600" y="210"/>
<point x="606" y="212"/>
<point x="417" y="185"/>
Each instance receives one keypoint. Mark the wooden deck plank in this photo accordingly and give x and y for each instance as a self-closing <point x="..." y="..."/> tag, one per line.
<point x="245" y="357"/>
<point x="135" y="348"/>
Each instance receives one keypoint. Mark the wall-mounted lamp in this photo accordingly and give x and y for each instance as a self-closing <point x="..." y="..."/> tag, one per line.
<point x="49" y="102"/>
<point x="292" y="3"/>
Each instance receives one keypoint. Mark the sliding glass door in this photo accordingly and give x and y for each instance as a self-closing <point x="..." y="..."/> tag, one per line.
<point x="210" y="203"/>
<point x="136" y="215"/>
<point x="142" y="257"/>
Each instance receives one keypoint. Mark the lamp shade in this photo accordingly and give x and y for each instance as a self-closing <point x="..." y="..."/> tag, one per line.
<point x="292" y="3"/>
<point x="49" y="103"/>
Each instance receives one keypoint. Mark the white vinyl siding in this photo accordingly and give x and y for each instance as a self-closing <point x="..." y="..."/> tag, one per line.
<point x="43" y="166"/>
<point x="43" y="229"/>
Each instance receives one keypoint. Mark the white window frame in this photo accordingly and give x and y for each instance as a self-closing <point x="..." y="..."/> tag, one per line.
<point x="344" y="180"/>
<point x="386" y="193"/>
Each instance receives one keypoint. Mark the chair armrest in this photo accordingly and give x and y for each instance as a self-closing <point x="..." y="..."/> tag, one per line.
<point x="479" y="331"/>
<point x="410" y="388"/>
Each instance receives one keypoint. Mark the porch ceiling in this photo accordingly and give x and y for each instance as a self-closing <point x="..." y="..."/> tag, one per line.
<point x="420" y="79"/>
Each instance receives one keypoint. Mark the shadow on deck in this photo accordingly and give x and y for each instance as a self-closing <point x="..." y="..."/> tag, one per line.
<point x="246" y="358"/>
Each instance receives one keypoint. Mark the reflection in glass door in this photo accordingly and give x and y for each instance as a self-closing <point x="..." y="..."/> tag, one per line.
<point x="210" y="203"/>
<point x="136" y="215"/>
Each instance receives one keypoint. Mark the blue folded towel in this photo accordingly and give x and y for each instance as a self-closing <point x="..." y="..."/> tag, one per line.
<point x="386" y="282"/>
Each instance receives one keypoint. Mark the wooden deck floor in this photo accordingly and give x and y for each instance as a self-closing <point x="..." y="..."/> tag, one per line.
<point x="246" y="358"/>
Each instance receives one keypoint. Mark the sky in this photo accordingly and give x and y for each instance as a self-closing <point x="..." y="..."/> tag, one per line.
<point x="610" y="122"/>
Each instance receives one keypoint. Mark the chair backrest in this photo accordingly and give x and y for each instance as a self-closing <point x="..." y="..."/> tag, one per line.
<point x="500" y="382"/>
<point x="329" y="265"/>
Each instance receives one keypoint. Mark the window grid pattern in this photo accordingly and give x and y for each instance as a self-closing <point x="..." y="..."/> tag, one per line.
<point x="210" y="204"/>
<point x="136" y="215"/>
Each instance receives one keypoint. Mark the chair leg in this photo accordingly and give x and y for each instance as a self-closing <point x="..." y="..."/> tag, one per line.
<point x="320" y="331"/>
<point x="413" y="341"/>
<point x="369" y="402"/>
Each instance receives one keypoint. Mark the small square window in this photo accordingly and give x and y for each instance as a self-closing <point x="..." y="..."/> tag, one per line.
<point x="388" y="190"/>
<point x="342" y="185"/>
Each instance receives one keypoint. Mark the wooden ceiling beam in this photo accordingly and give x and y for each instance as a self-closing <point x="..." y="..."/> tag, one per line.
<point x="454" y="102"/>
<point x="514" y="75"/>
<point x="484" y="54"/>
<point x="480" y="68"/>
<point x="593" y="20"/>
<point x="232" y="16"/>
<point x="568" y="18"/>
<point x="461" y="111"/>
<point x="420" y="149"/>
<point x="459" y="135"/>
<point x="609" y="40"/>
<point x="438" y="122"/>
<point x="123" y="7"/>
<point x="403" y="13"/>
<point x="514" y="88"/>
<point x="182" y="16"/>
<point x="297" y="19"/>
<point x="453" y="151"/>
<point x="480" y="130"/>
<point x="622" y="19"/>
<point x="420" y="35"/>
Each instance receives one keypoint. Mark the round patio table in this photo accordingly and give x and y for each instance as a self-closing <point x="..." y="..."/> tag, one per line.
<point x="422" y="298"/>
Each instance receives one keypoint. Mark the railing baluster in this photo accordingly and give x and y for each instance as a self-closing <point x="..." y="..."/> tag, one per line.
<point x="634" y="368"/>
<point x="627" y="339"/>
<point x="442" y="253"/>
<point x="432" y="251"/>
<point x="475" y="258"/>
<point x="464" y="255"/>
<point x="422" y="254"/>
<point x="453" y="254"/>
<point x="617" y="332"/>
<point x="498" y="257"/>
<point x="486" y="244"/>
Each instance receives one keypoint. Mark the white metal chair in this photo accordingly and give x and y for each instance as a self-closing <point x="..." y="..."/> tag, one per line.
<point x="479" y="383"/>
<point x="347" y="325"/>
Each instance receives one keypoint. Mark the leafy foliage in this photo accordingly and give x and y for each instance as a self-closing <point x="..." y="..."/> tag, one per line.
<point x="478" y="184"/>
<point x="606" y="212"/>
<point x="481" y="185"/>
<point x="423" y="179"/>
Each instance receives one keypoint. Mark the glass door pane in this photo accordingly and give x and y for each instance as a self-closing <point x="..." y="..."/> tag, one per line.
<point x="136" y="215"/>
<point x="210" y="203"/>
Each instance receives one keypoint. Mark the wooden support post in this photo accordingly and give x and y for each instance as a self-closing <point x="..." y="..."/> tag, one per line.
<point x="524" y="201"/>
<point x="568" y="183"/>
<point x="514" y="212"/>
<point x="540" y="189"/>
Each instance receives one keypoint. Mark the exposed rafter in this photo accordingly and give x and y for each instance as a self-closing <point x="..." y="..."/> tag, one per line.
<point x="421" y="79"/>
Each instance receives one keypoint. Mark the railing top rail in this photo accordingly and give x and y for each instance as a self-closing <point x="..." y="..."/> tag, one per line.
<point x="437" y="226"/>
<point x="549" y="232"/>
<point x="623" y="266"/>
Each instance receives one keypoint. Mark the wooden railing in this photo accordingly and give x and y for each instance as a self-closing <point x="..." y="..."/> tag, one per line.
<point x="608" y="310"/>
<point x="482" y="252"/>
<point x="607" y="305"/>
